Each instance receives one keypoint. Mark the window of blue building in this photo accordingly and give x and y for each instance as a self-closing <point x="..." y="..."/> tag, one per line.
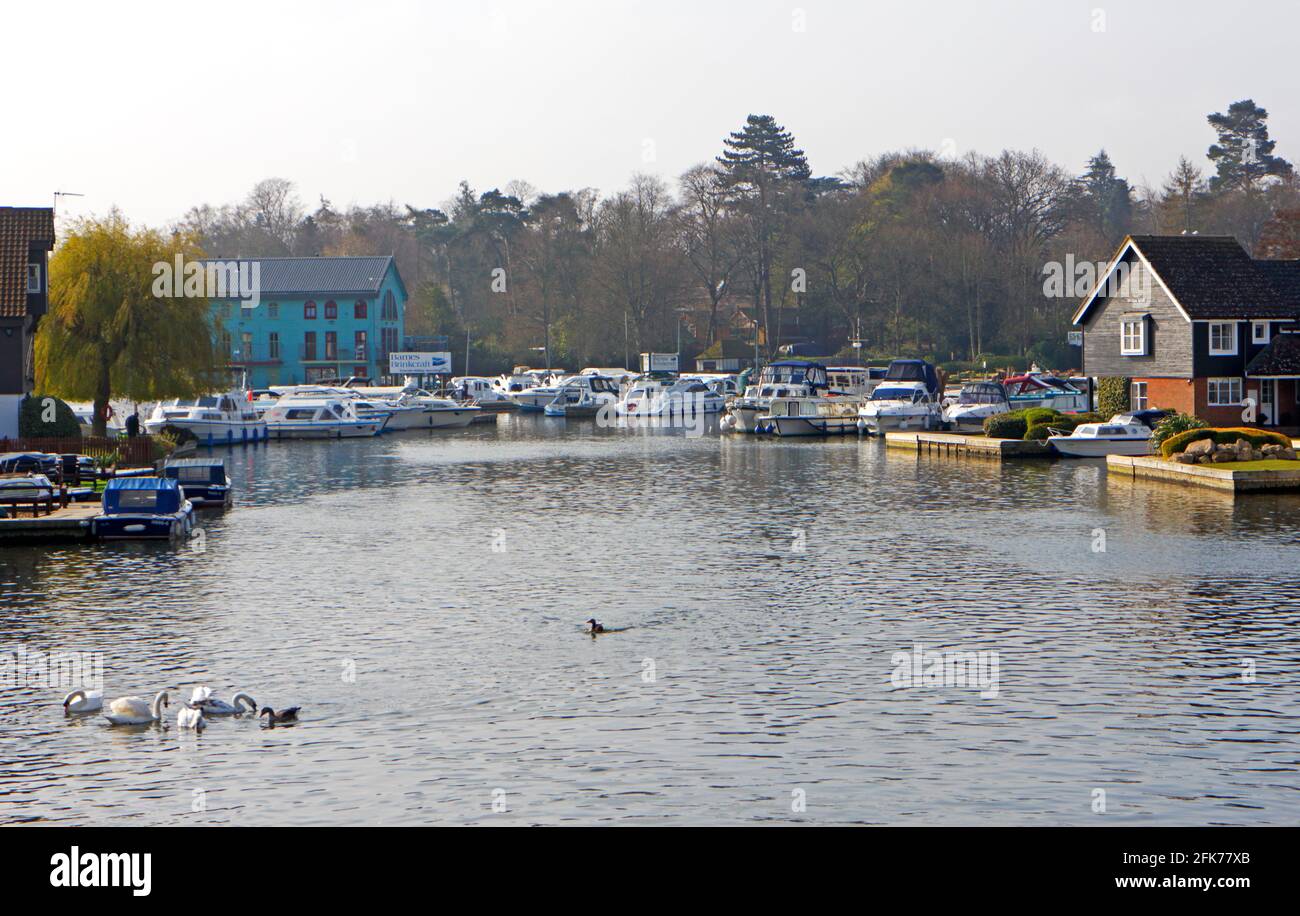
<point x="390" y="306"/>
<point x="359" y="309"/>
<point x="309" y="310"/>
<point x="273" y="310"/>
<point x="331" y="310"/>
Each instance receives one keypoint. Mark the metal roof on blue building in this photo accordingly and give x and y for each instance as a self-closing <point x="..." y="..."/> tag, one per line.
<point x="317" y="276"/>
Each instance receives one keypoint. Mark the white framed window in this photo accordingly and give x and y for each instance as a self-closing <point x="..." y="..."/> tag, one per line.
<point x="1138" y="396"/>
<point x="1133" y="337"/>
<point x="1223" y="338"/>
<point x="1223" y="392"/>
<point x="33" y="278"/>
<point x="1259" y="332"/>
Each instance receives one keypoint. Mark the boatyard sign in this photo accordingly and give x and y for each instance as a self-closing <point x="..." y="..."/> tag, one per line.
<point x="419" y="363"/>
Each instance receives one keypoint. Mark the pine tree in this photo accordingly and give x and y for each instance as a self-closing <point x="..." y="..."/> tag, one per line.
<point x="762" y="166"/>
<point x="1243" y="156"/>
<point x="1108" y="198"/>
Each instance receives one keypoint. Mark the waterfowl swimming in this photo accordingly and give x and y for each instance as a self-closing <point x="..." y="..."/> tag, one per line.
<point x="594" y="626"/>
<point x="136" y="710"/>
<point x="191" y="716"/>
<point x="83" y="701"/>
<point x="284" y="715"/>
<point x="203" y="698"/>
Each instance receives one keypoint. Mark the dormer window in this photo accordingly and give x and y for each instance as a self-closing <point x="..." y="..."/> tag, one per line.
<point x="33" y="278"/>
<point x="1133" y="336"/>
<point x="1259" y="332"/>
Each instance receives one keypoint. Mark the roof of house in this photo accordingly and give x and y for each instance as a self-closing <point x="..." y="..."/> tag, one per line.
<point x="20" y="227"/>
<point x="342" y="276"/>
<point x="1212" y="276"/>
<point x="1280" y="359"/>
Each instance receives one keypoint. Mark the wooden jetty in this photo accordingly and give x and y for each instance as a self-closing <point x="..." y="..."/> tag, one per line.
<point x="68" y="524"/>
<point x="953" y="445"/>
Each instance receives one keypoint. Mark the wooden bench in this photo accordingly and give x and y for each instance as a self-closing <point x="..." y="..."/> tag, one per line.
<point x="20" y="490"/>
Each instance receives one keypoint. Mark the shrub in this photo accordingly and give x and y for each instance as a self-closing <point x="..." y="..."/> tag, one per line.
<point x="1035" y="415"/>
<point x="1174" y="424"/>
<point x="1112" y="396"/>
<point x="35" y="422"/>
<point x="1006" y="426"/>
<point x="1038" y="433"/>
<point x="1256" y="437"/>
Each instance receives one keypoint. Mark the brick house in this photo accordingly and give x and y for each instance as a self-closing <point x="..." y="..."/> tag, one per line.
<point x="26" y="239"/>
<point x="1198" y="325"/>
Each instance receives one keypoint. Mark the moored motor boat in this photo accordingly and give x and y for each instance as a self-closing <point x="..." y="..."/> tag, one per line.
<point x="204" y="481"/>
<point x="1123" y="435"/>
<point x="222" y="419"/>
<point x="781" y="379"/>
<point x="973" y="405"/>
<point x="812" y="416"/>
<point x="143" y="507"/>
<point x="320" y="418"/>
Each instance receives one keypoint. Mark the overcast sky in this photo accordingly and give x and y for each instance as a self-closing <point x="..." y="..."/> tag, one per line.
<point x="155" y="107"/>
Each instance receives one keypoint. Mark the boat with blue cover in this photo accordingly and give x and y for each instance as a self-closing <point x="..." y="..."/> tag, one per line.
<point x="143" y="507"/>
<point x="203" y="480"/>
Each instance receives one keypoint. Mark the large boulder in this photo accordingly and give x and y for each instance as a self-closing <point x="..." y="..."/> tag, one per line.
<point x="1200" y="447"/>
<point x="1184" y="458"/>
<point x="1224" y="455"/>
<point x="1245" y="451"/>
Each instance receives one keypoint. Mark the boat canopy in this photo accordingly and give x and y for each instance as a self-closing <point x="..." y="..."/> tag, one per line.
<point x="983" y="393"/>
<point x="155" y="495"/>
<point x="913" y="370"/>
<point x="794" y="372"/>
<point x="196" y="470"/>
<point x="1023" y="384"/>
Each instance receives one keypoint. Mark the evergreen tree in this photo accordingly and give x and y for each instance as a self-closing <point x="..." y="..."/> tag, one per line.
<point x="762" y="166"/>
<point x="1243" y="157"/>
<point x="1107" y="198"/>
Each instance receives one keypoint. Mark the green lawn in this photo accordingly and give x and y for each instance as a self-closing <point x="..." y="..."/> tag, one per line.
<point x="1272" y="464"/>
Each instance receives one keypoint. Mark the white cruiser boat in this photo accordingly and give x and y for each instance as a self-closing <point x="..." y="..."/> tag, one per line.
<point x="573" y="401"/>
<point x="521" y="378"/>
<point x="1034" y="389"/>
<point x="815" y="416"/>
<point x="320" y="418"/>
<point x="601" y="388"/>
<point x="483" y="392"/>
<point x="856" y="381"/>
<point x="679" y="397"/>
<point x="780" y="379"/>
<point x="975" y="404"/>
<point x="1123" y="435"/>
<point x="899" y="406"/>
<point x="221" y="419"/>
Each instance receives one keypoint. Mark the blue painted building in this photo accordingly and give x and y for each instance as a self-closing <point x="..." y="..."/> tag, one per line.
<point x="318" y="318"/>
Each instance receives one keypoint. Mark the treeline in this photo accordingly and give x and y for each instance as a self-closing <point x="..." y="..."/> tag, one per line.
<point x="910" y="252"/>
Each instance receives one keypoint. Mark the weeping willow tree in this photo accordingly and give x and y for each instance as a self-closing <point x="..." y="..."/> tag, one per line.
<point x="107" y="335"/>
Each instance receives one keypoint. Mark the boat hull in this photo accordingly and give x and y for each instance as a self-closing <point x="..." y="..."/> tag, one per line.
<point x="215" y="432"/>
<point x="811" y="426"/>
<point x="884" y="423"/>
<point x="141" y="526"/>
<point x="362" y="430"/>
<point x="1072" y="447"/>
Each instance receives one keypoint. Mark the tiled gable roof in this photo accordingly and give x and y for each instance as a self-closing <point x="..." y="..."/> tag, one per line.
<point x="20" y="227"/>
<point x="1214" y="277"/>
<point x="1281" y="358"/>
<point x="319" y="276"/>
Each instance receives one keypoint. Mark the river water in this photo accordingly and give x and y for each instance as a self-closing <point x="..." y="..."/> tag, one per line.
<point x="422" y="597"/>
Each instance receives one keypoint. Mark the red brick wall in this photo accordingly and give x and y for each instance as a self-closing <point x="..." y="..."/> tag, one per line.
<point x="1173" y="393"/>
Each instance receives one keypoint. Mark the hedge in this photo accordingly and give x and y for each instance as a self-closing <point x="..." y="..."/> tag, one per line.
<point x="1113" y="396"/>
<point x="1006" y="426"/>
<point x="33" y="422"/>
<point x="1256" y="437"/>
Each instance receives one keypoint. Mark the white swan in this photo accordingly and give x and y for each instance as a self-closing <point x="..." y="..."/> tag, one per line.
<point x="84" y="701"/>
<point x="203" y="698"/>
<point x="191" y="717"/>
<point x="136" y="710"/>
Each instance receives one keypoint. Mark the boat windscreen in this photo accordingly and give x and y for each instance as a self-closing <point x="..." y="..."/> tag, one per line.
<point x="887" y="393"/>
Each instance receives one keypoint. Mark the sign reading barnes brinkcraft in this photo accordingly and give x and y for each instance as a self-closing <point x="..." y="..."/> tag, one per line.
<point x="419" y="363"/>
